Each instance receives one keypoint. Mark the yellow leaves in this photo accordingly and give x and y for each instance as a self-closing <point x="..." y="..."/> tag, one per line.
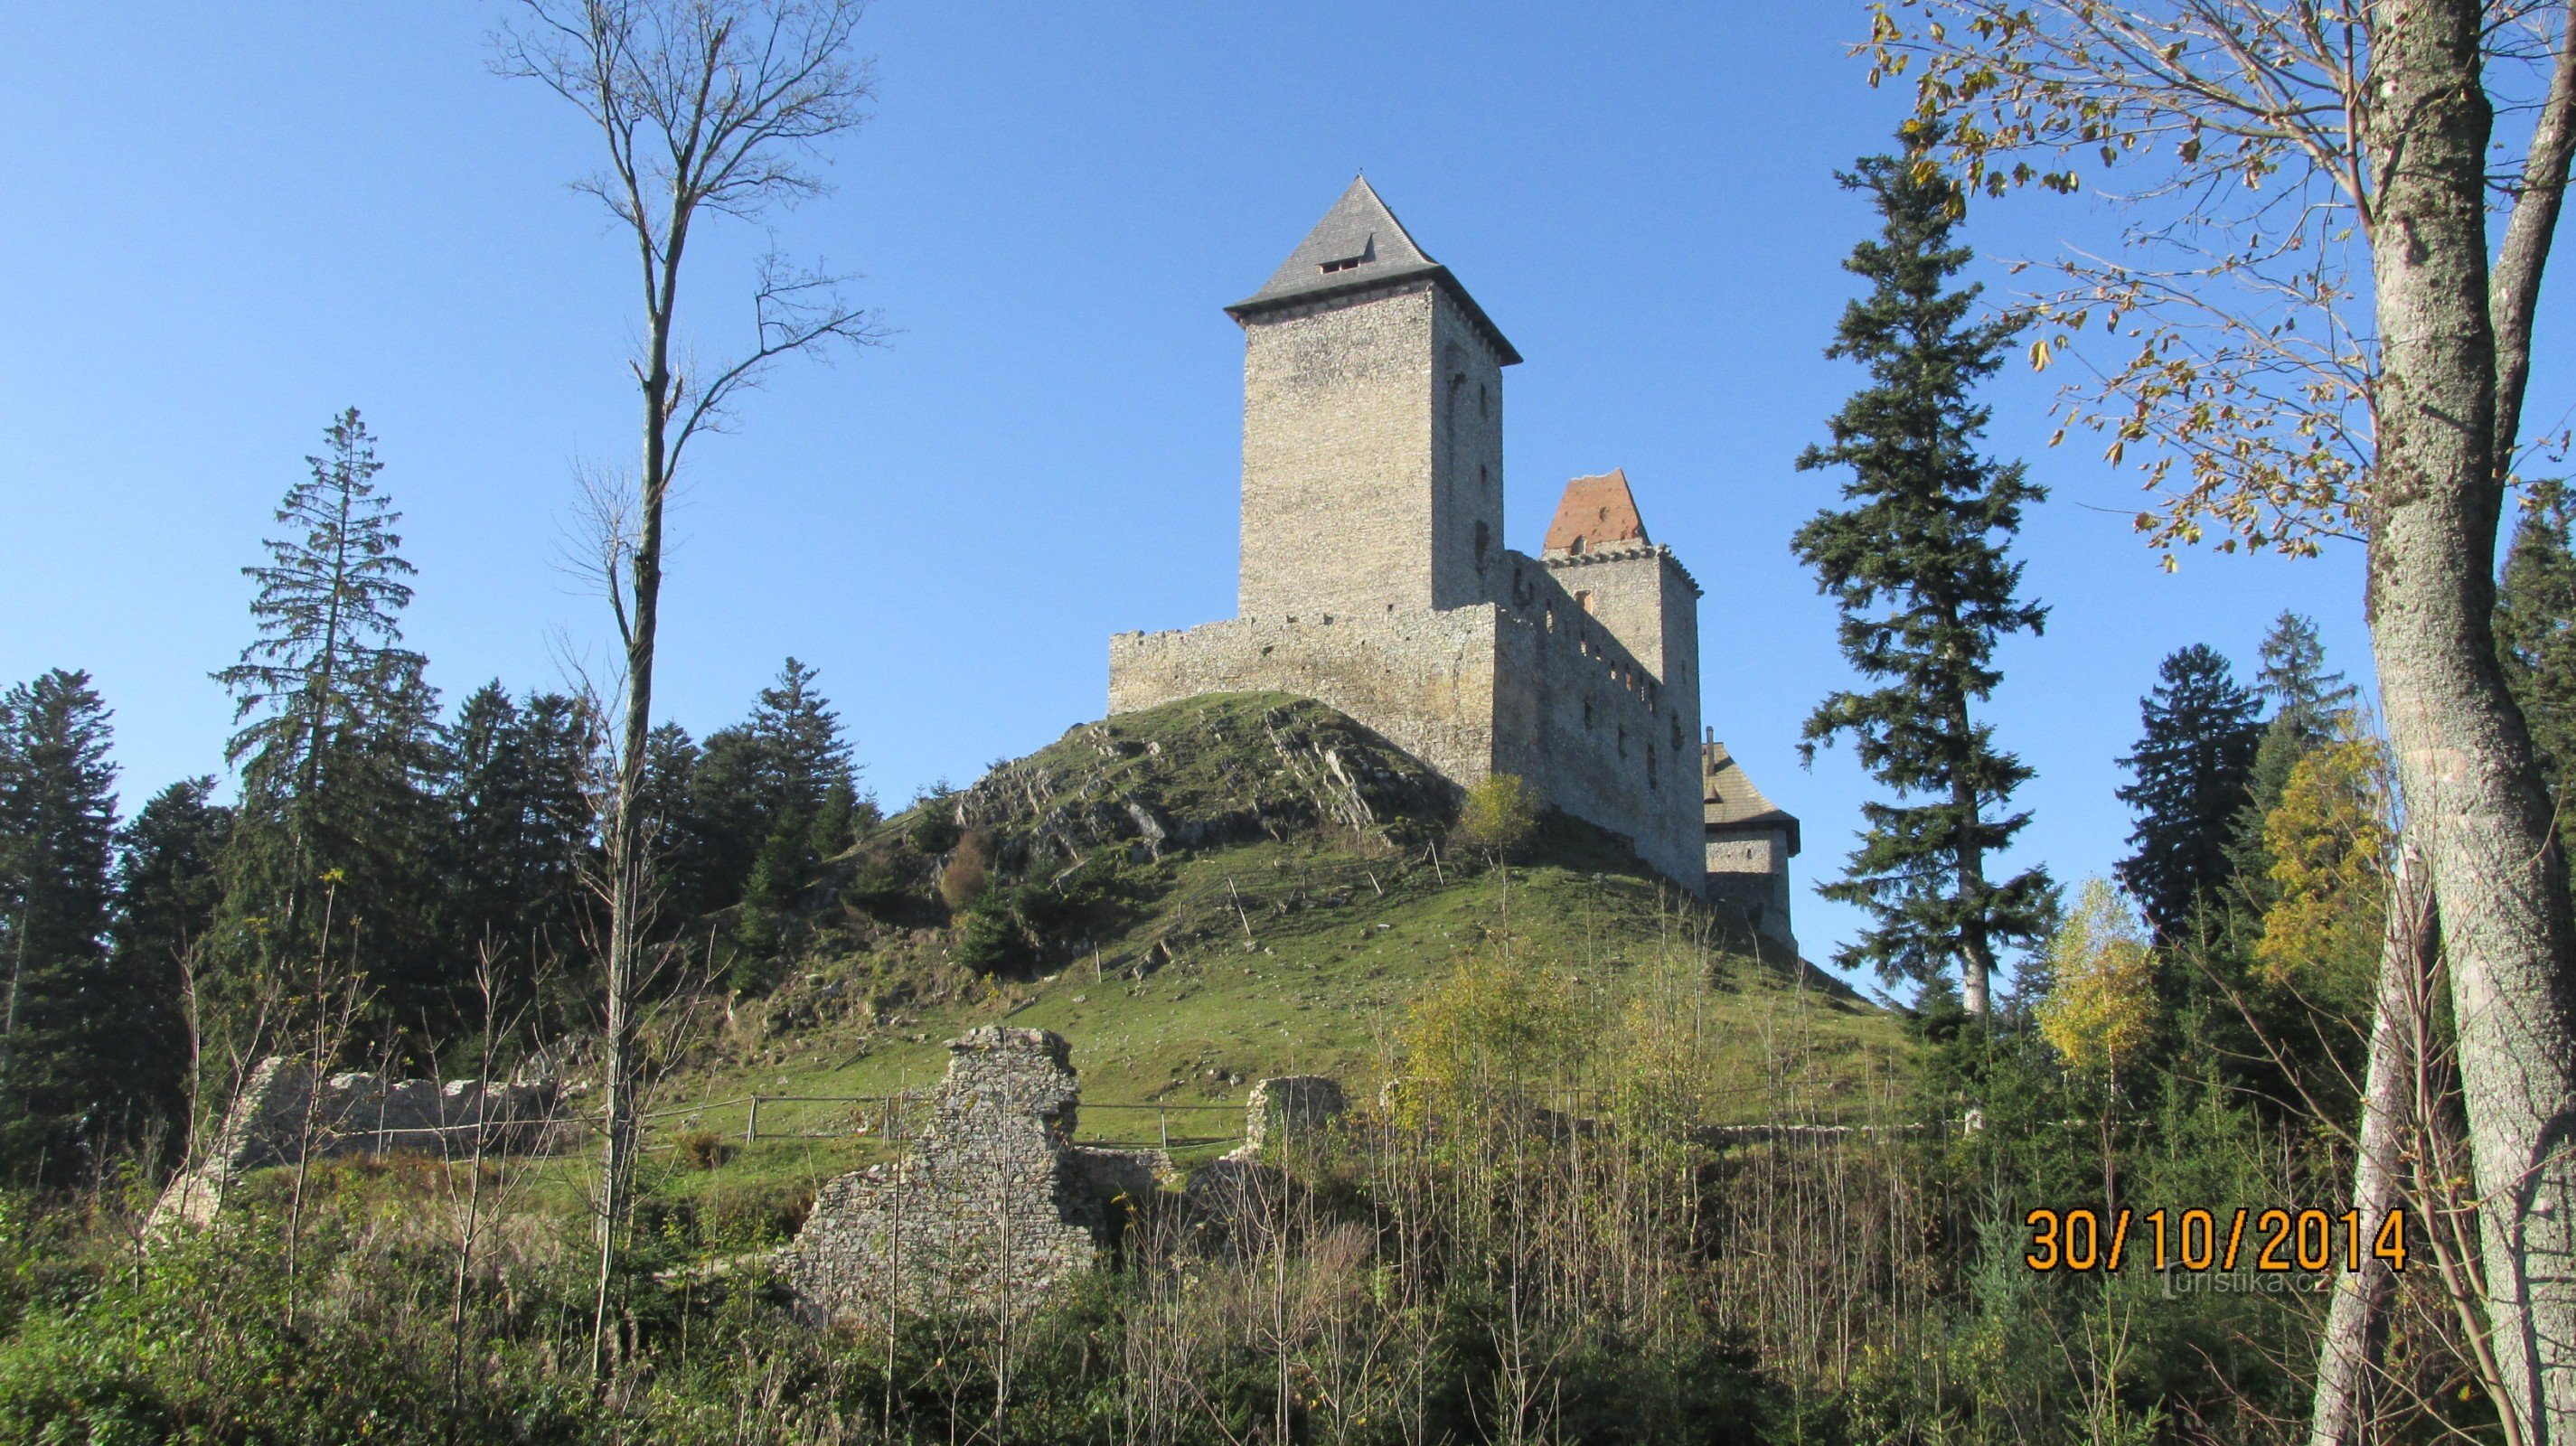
<point x="2329" y="839"/>
<point x="2101" y="1008"/>
<point x="2039" y="355"/>
<point x="1493" y="1023"/>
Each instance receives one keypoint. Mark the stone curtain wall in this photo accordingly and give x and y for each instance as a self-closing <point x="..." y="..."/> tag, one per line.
<point x="1591" y="726"/>
<point x="1500" y="687"/>
<point x="1289" y="1106"/>
<point x="1425" y="681"/>
<point x="995" y="1205"/>
<point x="284" y="1115"/>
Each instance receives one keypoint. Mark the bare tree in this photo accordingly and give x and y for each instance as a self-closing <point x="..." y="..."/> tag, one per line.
<point x="2308" y="318"/>
<point x="706" y="107"/>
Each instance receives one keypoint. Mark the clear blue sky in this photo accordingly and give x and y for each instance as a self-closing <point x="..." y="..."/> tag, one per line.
<point x="228" y="221"/>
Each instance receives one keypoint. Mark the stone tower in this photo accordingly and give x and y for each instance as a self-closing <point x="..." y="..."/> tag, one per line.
<point x="1372" y="427"/>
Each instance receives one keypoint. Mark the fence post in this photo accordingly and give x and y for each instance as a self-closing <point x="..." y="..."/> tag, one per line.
<point x="1163" y="1122"/>
<point x="751" y="1127"/>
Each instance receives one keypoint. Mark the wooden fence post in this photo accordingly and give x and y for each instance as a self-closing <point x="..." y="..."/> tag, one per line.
<point x="751" y="1127"/>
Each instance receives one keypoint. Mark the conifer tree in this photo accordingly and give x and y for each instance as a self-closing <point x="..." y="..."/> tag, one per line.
<point x="60" y="1092"/>
<point x="1917" y="565"/>
<point x="336" y="745"/>
<point x="2535" y="626"/>
<point x="2308" y="703"/>
<point x="519" y="821"/>
<point x="167" y="891"/>
<point x="2194" y="765"/>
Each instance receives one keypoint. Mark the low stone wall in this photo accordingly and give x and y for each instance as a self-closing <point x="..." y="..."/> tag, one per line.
<point x="284" y="1115"/>
<point x="994" y="1206"/>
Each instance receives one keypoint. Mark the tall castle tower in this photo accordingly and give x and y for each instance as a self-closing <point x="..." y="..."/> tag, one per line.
<point x="1372" y="427"/>
<point x="1375" y="576"/>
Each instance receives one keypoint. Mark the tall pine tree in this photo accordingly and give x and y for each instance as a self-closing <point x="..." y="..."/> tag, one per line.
<point x="62" y="1097"/>
<point x="1918" y="567"/>
<point x="2194" y="765"/>
<point x="337" y="750"/>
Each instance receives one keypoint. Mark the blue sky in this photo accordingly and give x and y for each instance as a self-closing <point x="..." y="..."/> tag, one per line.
<point x="230" y="220"/>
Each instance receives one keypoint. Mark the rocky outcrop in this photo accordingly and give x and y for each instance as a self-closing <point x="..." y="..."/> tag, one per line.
<point x="993" y="1206"/>
<point x="285" y="1115"/>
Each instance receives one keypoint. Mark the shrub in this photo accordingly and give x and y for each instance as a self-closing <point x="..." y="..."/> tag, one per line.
<point x="1499" y="817"/>
<point x="969" y="870"/>
<point x="704" y="1149"/>
<point x="988" y="939"/>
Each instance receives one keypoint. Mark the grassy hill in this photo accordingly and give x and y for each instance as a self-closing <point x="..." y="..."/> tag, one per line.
<point x="1220" y="889"/>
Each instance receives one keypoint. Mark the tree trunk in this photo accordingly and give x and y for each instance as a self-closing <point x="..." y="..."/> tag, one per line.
<point x="2348" y="1353"/>
<point x="2474" y="800"/>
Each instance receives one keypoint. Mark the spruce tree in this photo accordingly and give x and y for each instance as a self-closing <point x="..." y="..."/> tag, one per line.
<point x="519" y="823"/>
<point x="337" y="751"/>
<point x="167" y="891"/>
<point x="1918" y="568"/>
<point x="2194" y="765"/>
<point x="2308" y="702"/>
<point x="2535" y="626"/>
<point x="62" y="1097"/>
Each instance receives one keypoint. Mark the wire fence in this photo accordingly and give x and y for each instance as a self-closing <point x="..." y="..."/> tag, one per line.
<point x="902" y="1116"/>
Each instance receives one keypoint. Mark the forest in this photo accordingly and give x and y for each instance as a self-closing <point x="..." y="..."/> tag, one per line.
<point x="2260" y="1138"/>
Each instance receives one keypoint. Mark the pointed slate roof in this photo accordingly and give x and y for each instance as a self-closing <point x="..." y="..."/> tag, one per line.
<point x="1359" y="244"/>
<point x="1597" y="512"/>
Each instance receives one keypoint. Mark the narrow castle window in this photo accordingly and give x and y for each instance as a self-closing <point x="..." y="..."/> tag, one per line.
<point x="1623" y="740"/>
<point x="1587" y="712"/>
<point x="1650" y="769"/>
<point x="1484" y="544"/>
<point x="1484" y="401"/>
<point x="1677" y="731"/>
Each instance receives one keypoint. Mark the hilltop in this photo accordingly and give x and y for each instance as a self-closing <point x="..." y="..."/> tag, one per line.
<point x="1227" y="887"/>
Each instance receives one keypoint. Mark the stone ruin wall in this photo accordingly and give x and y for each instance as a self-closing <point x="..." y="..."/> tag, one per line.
<point x="285" y="1114"/>
<point x="995" y="1204"/>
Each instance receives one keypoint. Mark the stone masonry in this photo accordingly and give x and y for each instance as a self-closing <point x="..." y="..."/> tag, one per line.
<point x="994" y="1206"/>
<point x="285" y="1115"/>
<point x="1374" y="576"/>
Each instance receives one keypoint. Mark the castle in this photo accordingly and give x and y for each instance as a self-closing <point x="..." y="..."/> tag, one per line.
<point x="1375" y="579"/>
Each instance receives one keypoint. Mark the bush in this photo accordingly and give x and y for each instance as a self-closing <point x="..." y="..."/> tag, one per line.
<point x="969" y="870"/>
<point x="1499" y="817"/>
<point x="989" y="939"/>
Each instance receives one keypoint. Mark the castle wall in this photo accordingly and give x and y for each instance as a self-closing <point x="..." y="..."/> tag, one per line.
<point x="1424" y="680"/>
<point x="1751" y="872"/>
<point x="1337" y="458"/>
<point x="1592" y="729"/>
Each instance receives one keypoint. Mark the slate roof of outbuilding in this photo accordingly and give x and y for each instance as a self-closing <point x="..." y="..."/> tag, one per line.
<point x="1734" y="805"/>
<point x="1595" y="511"/>
<point x="1359" y="245"/>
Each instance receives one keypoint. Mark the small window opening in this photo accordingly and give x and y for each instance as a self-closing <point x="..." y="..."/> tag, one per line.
<point x="1587" y="712"/>
<point x="1623" y="740"/>
<point x="1484" y="401"/>
<point x="1484" y="544"/>
<point x="1650" y="769"/>
<point x="1582" y="600"/>
<point x="1345" y="264"/>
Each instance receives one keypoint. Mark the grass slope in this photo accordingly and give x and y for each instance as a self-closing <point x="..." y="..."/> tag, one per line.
<point x="1232" y="887"/>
